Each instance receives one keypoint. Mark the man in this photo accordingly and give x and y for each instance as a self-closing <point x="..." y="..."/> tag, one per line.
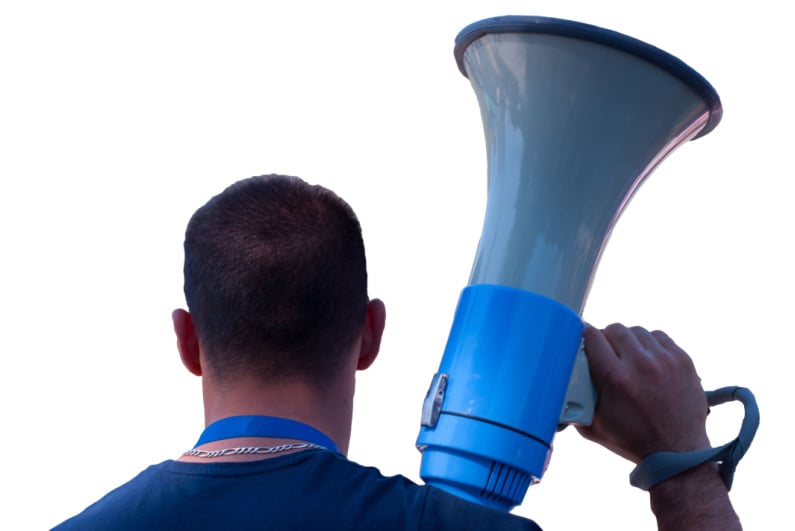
<point x="279" y="323"/>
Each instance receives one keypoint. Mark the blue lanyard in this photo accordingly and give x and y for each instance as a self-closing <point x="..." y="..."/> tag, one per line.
<point x="261" y="426"/>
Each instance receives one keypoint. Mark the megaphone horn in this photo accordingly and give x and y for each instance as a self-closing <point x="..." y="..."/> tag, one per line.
<point x="575" y="118"/>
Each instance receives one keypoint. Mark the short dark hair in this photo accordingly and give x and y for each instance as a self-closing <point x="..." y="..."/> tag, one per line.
<point x="275" y="279"/>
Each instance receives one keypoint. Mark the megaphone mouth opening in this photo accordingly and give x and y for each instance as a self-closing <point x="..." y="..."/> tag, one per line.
<point x="597" y="35"/>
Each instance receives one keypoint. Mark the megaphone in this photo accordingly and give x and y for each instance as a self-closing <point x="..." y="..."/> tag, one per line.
<point x="575" y="118"/>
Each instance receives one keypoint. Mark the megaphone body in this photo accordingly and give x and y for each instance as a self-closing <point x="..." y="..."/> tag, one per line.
<point x="575" y="118"/>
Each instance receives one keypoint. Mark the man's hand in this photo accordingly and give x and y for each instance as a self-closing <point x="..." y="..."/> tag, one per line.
<point x="650" y="397"/>
<point x="651" y="400"/>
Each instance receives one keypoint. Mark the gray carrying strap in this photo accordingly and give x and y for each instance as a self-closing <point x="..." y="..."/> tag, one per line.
<point x="659" y="466"/>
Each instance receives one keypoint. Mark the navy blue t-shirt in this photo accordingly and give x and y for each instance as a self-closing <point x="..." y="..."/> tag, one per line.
<point x="313" y="489"/>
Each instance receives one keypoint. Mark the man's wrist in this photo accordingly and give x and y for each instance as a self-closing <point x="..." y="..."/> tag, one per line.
<point x="696" y="499"/>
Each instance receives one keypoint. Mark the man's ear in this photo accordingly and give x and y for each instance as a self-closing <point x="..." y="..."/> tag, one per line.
<point x="373" y="330"/>
<point x="187" y="341"/>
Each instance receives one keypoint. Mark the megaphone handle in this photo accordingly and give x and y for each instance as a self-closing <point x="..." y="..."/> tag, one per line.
<point x="581" y="398"/>
<point x="659" y="466"/>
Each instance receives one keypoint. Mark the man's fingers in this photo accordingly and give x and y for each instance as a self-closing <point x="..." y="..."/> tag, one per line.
<point x="602" y="358"/>
<point x="626" y="341"/>
<point x="645" y="338"/>
<point x="665" y="341"/>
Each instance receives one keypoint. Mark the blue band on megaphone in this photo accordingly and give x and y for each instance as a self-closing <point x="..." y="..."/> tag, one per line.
<point x="508" y="362"/>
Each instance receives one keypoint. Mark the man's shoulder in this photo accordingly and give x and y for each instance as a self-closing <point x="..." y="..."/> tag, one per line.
<point x="447" y="511"/>
<point x="308" y="491"/>
<point x="435" y="508"/>
<point x="109" y="510"/>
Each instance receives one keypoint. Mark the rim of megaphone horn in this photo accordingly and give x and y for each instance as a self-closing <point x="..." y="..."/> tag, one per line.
<point x="598" y="35"/>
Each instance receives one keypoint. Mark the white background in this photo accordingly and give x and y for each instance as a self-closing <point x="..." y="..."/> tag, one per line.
<point x="119" y="119"/>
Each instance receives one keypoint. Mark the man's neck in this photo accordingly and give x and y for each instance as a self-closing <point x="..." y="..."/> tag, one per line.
<point x="329" y="410"/>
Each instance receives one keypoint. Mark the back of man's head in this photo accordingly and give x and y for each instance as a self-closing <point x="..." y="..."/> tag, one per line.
<point x="275" y="279"/>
